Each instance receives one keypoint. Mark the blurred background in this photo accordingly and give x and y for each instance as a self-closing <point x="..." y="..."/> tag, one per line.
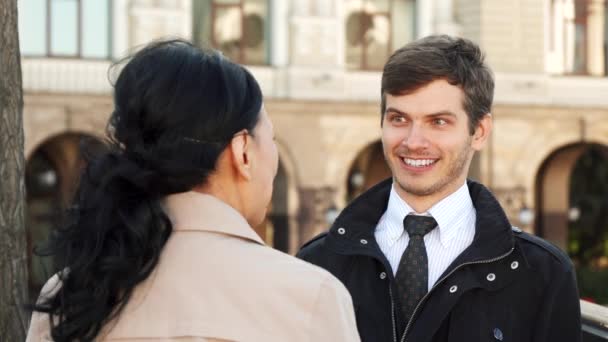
<point x="319" y="64"/>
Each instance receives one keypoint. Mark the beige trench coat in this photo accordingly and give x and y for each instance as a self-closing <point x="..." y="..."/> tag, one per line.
<point x="217" y="281"/>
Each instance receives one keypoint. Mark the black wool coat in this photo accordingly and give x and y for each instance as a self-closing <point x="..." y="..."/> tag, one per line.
<point x="506" y="286"/>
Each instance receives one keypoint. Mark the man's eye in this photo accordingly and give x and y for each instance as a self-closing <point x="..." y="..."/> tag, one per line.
<point x="440" y="122"/>
<point x="398" y="118"/>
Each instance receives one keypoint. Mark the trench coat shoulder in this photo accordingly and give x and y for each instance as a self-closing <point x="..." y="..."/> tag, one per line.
<point x="237" y="290"/>
<point x="535" y="246"/>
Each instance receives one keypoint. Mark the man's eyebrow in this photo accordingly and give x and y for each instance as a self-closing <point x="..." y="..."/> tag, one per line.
<point x="442" y="113"/>
<point x="445" y="112"/>
<point x="394" y="110"/>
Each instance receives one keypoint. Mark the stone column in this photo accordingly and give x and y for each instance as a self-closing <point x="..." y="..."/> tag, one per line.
<point x="424" y="18"/>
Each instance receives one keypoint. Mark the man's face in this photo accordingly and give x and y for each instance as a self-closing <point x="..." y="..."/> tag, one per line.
<point x="427" y="143"/>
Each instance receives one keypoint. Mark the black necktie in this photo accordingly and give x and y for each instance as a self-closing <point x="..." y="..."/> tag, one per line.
<point x="412" y="274"/>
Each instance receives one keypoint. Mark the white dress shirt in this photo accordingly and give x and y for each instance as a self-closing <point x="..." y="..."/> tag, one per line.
<point x="455" y="216"/>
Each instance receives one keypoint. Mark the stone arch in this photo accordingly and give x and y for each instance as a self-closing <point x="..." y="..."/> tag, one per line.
<point x="367" y="169"/>
<point x="537" y="155"/>
<point x="552" y="191"/>
<point x="281" y="226"/>
<point x="348" y="158"/>
<point x="33" y="143"/>
<point x="571" y="211"/>
<point x="51" y="176"/>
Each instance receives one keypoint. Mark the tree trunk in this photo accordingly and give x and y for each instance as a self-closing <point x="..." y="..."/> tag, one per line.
<point x="13" y="262"/>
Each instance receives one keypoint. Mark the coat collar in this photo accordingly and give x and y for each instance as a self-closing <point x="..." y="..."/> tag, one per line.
<point x="194" y="211"/>
<point x="493" y="234"/>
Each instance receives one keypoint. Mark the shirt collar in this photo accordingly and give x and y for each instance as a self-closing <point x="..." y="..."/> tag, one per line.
<point x="396" y="211"/>
<point x="449" y="214"/>
<point x="194" y="211"/>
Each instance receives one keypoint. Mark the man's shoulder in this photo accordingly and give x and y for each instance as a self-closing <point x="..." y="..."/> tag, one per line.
<point x="539" y="249"/>
<point x="313" y="248"/>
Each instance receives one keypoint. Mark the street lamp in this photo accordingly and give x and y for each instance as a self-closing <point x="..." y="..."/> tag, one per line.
<point x="526" y="215"/>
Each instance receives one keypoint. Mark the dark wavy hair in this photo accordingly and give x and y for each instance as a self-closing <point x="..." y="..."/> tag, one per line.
<point x="176" y="108"/>
<point x="457" y="60"/>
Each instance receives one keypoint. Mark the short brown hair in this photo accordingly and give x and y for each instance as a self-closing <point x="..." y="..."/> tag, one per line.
<point x="457" y="60"/>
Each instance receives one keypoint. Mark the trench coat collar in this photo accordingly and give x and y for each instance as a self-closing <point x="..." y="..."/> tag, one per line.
<point x="194" y="211"/>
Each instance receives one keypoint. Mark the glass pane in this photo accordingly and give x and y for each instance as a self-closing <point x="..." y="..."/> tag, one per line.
<point x="95" y="28"/>
<point x="255" y="31"/>
<point x="377" y="39"/>
<point x="64" y="27"/>
<point x="227" y="31"/>
<point x="32" y="27"/>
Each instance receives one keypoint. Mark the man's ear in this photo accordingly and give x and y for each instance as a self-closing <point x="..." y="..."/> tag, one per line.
<point x="240" y="153"/>
<point x="482" y="132"/>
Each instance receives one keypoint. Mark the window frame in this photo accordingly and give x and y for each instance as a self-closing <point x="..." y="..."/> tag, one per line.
<point x="574" y="23"/>
<point x="48" y="40"/>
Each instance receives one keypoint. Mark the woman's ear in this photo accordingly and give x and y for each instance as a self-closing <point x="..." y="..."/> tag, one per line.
<point x="240" y="154"/>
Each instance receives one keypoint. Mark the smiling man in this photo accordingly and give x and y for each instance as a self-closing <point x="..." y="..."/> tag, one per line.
<point x="427" y="255"/>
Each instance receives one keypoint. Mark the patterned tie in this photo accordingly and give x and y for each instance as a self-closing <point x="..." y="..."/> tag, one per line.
<point x="412" y="274"/>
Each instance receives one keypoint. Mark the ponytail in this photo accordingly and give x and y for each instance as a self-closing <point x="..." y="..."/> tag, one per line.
<point x="112" y="242"/>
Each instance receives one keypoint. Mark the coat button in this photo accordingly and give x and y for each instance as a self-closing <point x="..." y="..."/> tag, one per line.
<point x="383" y="275"/>
<point x="363" y="241"/>
<point x="514" y="265"/>
<point x="341" y="231"/>
<point x="453" y="289"/>
<point x="491" y="277"/>
<point x="498" y="334"/>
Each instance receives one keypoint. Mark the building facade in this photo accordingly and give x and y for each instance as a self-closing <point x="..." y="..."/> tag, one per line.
<point x="319" y="64"/>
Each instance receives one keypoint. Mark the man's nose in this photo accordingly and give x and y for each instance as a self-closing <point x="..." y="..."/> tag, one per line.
<point x="416" y="138"/>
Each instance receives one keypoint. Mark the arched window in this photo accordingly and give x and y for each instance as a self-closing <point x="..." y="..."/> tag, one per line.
<point x="66" y="28"/>
<point x="239" y="28"/>
<point x="375" y="28"/>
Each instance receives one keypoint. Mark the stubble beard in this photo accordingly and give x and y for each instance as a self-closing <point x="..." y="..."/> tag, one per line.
<point x="455" y="171"/>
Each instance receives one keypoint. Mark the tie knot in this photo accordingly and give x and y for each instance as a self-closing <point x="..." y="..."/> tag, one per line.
<point x="416" y="225"/>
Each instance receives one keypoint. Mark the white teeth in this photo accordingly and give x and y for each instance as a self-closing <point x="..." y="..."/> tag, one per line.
<point x="418" y="162"/>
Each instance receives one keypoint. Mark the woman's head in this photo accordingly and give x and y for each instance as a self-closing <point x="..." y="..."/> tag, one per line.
<point x="184" y="119"/>
<point x="177" y="108"/>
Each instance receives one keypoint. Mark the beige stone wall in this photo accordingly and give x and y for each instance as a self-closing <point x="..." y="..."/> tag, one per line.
<point x="468" y="15"/>
<point x="513" y="35"/>
<point x="510" y="32"/>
